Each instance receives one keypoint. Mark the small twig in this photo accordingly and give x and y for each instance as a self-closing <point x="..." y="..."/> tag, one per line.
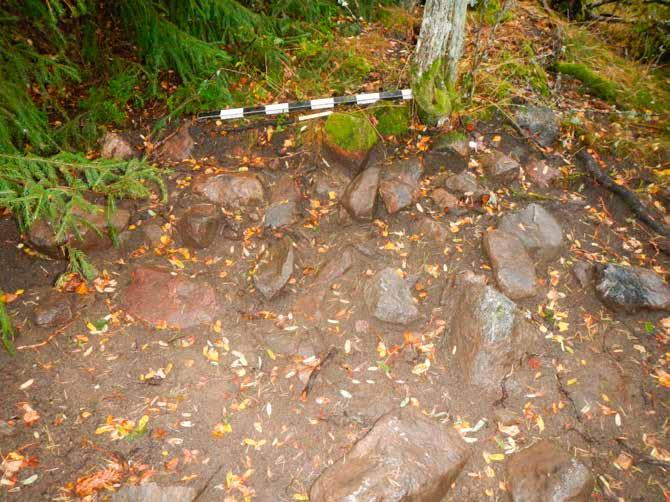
<point x="312" y="376"/>
<point x="50" y="337"/>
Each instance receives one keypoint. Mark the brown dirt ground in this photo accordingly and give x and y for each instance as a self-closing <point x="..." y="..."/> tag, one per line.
<point x="278" y="443"/>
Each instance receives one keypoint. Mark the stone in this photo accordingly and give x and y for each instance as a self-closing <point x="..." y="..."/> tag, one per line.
<point x="152" y="233"/>
<point x="540" y="122"/>
<point x="546" y="473"/>
<point x="115" y="146"/>
<point x="406" y="456"/>
<point x="446" y="201"/>
<point x="200" y="225"/>
<point x="161" y="299"/>
<point x="452" y="142"/>
<point x="179" y="146"/>
<point x="631" y="288"/>
<point x="486" y="334"/>
<point x="541" y="173"/>
<point x="541" y="234"/>
<point x="512" y="267"/>
<point x="594" y="378"/>
<point x="93" y="229"/>
<point x="432" y="229"/>
<point x="501" y="167"/>
<point x="389" y="298"/>
<point x="330" y="181"/>
<point x="584" y="272"/>
<point x="348" y="139"/>
<point x="464" y="183"/>
<point x="231" y="190"/>
<point x="334" y="268"/>
<point x="274" y="268"/>
<point x="361" y="194"/>
<point x="284" y="199"/>
<point x="152" y="492"/>
<point x="400" y="184"/>
<point x="54" y="310"/>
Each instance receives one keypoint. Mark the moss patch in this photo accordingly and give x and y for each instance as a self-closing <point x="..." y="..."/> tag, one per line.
<point x="392" y="120"/>
<point x="432" y="94"/>
<point x="350" y="131"/>
<point x="594" y="83"/>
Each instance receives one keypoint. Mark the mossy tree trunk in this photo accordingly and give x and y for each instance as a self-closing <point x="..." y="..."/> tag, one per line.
<point x="438" y="51"/>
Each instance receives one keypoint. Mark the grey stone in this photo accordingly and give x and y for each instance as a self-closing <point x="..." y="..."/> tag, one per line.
<point x="512" y="267"/>
<point x="540" y="122"/>
<point x="284" y="199"/>
<point x="389" y="298"/>
<point x="487" y="332"/>
<point x="546" y="473"/>
<point x="541" y="173"/>
<point x="631" y="288"/>
<point x="400" y="184"/>
<point x="501" y="166"/>
<point x="406" y="456"/>
<point x="115" y="146"/>
<point x="451" y="142"/>
<point x="541" y="234"/>
<point x="361" y="194"/>
<point x="54" y="310"/>
<point x="432" y="229"/>
<point x="464" y="183"/>
<point x="274" y="268"/>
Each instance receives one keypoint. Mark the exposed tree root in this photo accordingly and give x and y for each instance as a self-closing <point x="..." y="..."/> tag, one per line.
<point x="591" y="167"/>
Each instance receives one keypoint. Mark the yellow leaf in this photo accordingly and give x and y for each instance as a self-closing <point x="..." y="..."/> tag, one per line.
<point x="300" y="496"/>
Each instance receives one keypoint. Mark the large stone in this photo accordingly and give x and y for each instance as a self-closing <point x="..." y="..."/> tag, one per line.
<point x="274" y="268"/>
<point x="512" y="267"/>
<point x="389" y="298"/>
<point x="404" y="457"/>
<point x="151" y="492"/>
<point x="179" y="146"/>
<point x="540" y="122"/>
<point x="487" y="332"/>
<point x="631" y="288"/>
<point x="231" y="190"/>
<point x="115" y="146"/>
<point x="501" y="166"/>
<point x="332" y="180"/>
<point x="92" y="232"/>
<point x="200" y="225"/>
<point x="284" y="199"/>
<point x="546" y="473"/>
<point x="464" y="183"/>
<point x="161" y="299"/>
<point x="361" y="194"/>
<point x="348" y="139"/>
<point x="400" y="184"/>
<point x="337" y="266"/>
<point x="541" y="234"/>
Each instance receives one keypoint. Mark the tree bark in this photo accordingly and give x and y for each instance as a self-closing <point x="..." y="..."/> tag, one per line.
<point x="441" y="36"/>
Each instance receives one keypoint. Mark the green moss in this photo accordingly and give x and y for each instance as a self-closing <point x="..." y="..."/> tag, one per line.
<point x="433" y="94"/>
<point x="351" y="131"/>
<point x="594" y="83"/>
<point x="392" y="120"/>
<point x="492" y="12"/>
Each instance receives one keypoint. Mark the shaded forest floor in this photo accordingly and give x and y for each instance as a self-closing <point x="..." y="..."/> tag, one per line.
<point x="257" y="399"/>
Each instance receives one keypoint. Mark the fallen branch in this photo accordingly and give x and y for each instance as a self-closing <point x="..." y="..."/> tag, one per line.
<point x="50" y="337"/>
<point x="592" y="168"/>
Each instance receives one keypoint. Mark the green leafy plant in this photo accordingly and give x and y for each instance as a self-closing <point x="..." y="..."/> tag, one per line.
<point x="6" y="328"/>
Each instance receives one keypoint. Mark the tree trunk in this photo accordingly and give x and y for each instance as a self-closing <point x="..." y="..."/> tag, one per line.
<point x="438" y="51"/>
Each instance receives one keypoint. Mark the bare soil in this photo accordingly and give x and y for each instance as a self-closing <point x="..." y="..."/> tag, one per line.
<point x="266" y="418"/>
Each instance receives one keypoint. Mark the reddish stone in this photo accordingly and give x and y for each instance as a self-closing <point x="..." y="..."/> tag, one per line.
<point x="162" y="299"/>
<point x="231" y="190"/>
<point x="360" y="196"/>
